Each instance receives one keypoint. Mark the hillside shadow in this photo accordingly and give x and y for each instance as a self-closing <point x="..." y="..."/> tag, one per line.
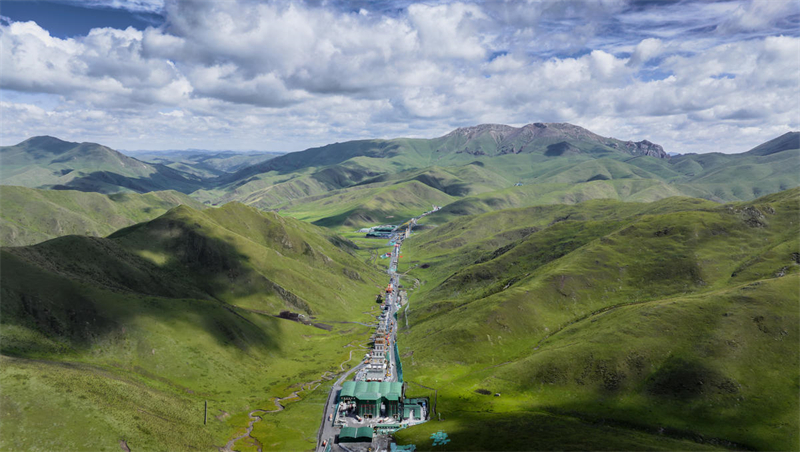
<point x="559" y="430"/>
<point x="332" y="154"/>
<point x="83" y="291"/>
<point x="106" y="182"/>
<point x="346" y="218"/>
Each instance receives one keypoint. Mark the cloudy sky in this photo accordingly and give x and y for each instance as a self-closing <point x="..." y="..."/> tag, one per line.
<point x="694" y="76"/>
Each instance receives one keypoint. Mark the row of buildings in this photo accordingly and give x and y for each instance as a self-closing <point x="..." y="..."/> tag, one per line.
<point x="379" y="367"/>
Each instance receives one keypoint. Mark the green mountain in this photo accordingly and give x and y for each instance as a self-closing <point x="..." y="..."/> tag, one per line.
<point x="47" y="162"/>
<point x="318" y="170"/>
<point x="609" y="326"/>
<point x="486" y="164"/>
<point x="502" y="165"/>
<point x="204" y="164"/>
<point x="29" y="215"/>
<point x="124" y="338"/>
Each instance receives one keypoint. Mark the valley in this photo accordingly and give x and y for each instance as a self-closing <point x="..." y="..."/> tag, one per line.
<point x="570" y="291"/>
<point x="399" y="226"/>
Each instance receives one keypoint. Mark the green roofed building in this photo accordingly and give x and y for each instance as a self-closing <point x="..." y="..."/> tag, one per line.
<point x="374" y="398"/>
<point x="348" y="435"/>
<point x="355" y="435"/>
<point x="364" y="434"/>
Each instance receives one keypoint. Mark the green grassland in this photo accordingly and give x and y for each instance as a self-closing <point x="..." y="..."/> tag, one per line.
<point x="203" y="164"/>
<point x="327" y="184"/>
<point x="609" y="326"/>
<point x="368" y="206"/>
<point x="47" y="162"/>
<point x="29" y="215"/>
<point x="125" y="338"/>
<point x="556" y="163"/>
<point x="610" y="306"/>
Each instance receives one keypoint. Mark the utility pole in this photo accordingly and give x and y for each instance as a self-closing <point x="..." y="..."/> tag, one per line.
<point x="205" y="413"/>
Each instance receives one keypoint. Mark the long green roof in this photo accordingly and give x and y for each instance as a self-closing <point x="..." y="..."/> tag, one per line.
<point x="373" y="390"/>
<point x="348" y="432"/>
<point x="364" y="432"/>
<point x="348" y="389"/>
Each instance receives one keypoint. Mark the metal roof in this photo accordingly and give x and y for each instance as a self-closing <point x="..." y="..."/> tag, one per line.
<point x="364" y="432"/>
<point x="348" y="389"/>
<point x="373" y="390"/>
<point x="348" y="432"/>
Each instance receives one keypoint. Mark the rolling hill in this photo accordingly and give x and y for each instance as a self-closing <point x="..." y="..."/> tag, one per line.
<point x="202" y="163"/>
<point x="47" y="162"/>
<point x="29" y="215"/>
<point x="545" y="163"/>
<point x="318" y="170"/>
<point x="607" y="325"/>
<point x="474" y="168"/>
<point x="121" y="340"/>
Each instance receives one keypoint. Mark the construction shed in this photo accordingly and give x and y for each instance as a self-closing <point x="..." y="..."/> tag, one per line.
<point x="414" y="409"/>
<point x="355" y="435"/>
<point x="387" y="429"/>
<point x="374" y="399"/>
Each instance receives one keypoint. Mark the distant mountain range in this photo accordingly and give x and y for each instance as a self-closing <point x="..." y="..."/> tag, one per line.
<point x="204" y="163"/>
<point x="47" y="162"/>
<point x="553" y="162"/>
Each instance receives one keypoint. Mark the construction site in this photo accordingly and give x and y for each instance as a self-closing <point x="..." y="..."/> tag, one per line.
<point x="362" y="413"/>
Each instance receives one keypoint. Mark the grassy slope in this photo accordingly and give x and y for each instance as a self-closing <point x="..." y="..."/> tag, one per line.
<point x="29" y="215"/>
<point x="486" y="183"/>
<point x="636" y="190"/>
<point x="47" y="162"/>
<point x="368" y="205"/>
<point x="650" y="317"/>
<point x="126" y="337"/>
<point x="204" y="164"/>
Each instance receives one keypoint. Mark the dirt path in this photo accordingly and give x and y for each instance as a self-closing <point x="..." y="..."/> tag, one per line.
<point x="253" y="419"/>
<point x="278" y="401"/>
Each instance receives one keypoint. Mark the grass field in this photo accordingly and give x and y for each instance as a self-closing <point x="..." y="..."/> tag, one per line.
<point x="671" y="321"/>
<point x="125" y="338"/>
<point x="603" y="325"/>
<point x="29" y="215"/>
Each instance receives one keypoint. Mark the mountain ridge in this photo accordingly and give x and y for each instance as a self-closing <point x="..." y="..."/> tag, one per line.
<point x="31" y="215"/>
<point x="51" y="163"/>
<point x="502" y="133"/>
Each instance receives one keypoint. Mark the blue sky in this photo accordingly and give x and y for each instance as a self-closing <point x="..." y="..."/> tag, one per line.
<point x="693" y="76"/>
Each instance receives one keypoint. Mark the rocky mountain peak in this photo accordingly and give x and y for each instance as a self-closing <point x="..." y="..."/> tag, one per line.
<point x="499" y="131"/>
<point x="509" y="139"/>
<point x="645" y="147"/>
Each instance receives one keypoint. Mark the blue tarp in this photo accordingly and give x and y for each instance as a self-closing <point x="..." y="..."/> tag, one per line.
<point x="399" y="364"/>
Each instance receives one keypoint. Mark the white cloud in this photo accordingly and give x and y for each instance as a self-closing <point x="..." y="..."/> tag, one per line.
<point x="285" y="76"/>
<point x="646" y="50"/>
